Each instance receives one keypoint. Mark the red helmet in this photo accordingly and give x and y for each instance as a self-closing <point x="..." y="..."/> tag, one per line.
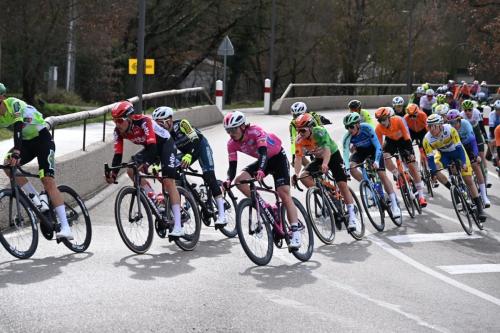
<point x="382" y="113"/>
<point x="305" y="120"/>
<point x="122" y="109"/>
<point x="412" y="109"/>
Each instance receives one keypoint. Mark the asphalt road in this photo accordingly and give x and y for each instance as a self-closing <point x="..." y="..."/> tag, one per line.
<point x="424" y="276"/>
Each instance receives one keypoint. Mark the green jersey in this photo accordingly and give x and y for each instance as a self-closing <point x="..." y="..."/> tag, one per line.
<point x="319" y="120"/>
<point x="18" y="110"/>
<point x="316" y="143"/>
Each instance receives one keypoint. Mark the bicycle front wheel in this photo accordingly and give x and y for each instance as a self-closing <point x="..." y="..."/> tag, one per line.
<point x="359" y="232"/>
<point x="372" y="205"/>
<point x="426" y="176"/>
<point x="305" y="251"/>
<point x="18" y="229"/>
<point x="321" y="215"/>
<point x="135" y="229"/>
<point x="406" y="195"/>
<point x="78" y="220"/>
<point x="191" y="221"/>
<point x="255" y="236"/>
<point x="461" y="209"/>
<point x="230" y="205"/>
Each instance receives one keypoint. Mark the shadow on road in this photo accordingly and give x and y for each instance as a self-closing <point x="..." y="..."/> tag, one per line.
<point x="355" y="251"/>
<point x="36" y="270"/>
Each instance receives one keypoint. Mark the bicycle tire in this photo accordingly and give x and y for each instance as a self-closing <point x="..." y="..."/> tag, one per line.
<point x="370" y="199"/>
<point x="189" y="209"/>
<point x="357" y="235"/>
<point x="415" y="202"/>
<point x="426" y="176"/>
<point x="133" y="221"/>
<point x="9" y="228"/>
<point x="397" y="221"/>
<point x="405" y="194"/>
<point x="75" y="208"/>
<point x="306" y="249"/>
<point x="247" y="235"/>
<point x="230" y="205"/>
<point x="461" y="207"/>
<point x="323" y="220"/>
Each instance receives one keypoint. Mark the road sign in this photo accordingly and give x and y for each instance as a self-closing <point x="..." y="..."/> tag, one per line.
<point x="149" y="69"/>
<point x="226" y="47"/>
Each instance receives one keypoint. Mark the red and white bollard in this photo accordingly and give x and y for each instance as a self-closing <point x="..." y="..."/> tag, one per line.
<point x="267" y="95"/>
<point x="219" y="94"/>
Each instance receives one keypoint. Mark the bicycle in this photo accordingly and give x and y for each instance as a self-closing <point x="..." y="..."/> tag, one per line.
<point x="20" y="217"/>
<point x="425" y="172"/>
<point x="327" y="209"/>
<point x="207" y="204"/>
<point x="262" y="225"/>
<point x="462" y="200"/>
<point x="373" y="197"/>
<point x="136" y="225"/>
<point x="407" y="187"/>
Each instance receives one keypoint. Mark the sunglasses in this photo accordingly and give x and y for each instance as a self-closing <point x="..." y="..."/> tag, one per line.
<point x="468" y="110"/>
<point x="231" y="130"/>
<point x="453" y="122"/>
<point x="382" y="120"/>
<point x="413" y="116"/>
<point x="119" y="120"/>
<point x="302" y="130"/>
<point x="348" y="127"/>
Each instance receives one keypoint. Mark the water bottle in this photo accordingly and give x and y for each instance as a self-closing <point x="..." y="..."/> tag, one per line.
<point x="378" y="188"/>
<point x="44" y="200"/>
<point x="34" y="198"/>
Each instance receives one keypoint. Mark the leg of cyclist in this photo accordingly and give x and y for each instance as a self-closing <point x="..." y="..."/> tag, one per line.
<point x="480" y="181"/>
<point x="396" y="212"/>
<point x="467" y="175"/>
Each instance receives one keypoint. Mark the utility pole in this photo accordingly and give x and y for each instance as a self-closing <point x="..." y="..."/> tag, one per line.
<point x="70" y="63"/>
<point x="271" y="46"/>
<point x="409" y="65"/>
<point x="140" y="53"/>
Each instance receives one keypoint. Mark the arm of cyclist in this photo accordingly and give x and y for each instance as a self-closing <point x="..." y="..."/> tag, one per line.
<point x="191" y="134"/>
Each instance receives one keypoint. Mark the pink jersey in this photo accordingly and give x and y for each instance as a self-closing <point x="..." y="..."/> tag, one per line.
<point x="254" y="138"/>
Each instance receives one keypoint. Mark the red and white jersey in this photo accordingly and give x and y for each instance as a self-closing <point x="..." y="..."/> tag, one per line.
<point x="142" y="131"/>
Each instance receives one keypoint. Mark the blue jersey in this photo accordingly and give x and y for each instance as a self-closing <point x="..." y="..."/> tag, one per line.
<point x="466" y="133"/>
<point x="365" y="138"/>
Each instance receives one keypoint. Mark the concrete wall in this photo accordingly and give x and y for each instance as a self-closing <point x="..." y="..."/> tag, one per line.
<point x="319" y="103"/>
<point x="84" y="170"/>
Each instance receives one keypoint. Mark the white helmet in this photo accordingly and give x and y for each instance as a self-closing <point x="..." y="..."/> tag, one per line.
<point x="234" y="119"/>
<point x="398" y="100"/>
<point x="163" y="112"/>
<point x="496" y="105"/>
<point x="429" y="92"/>
<point x="441" y="109"/>
<point x="420" y="90"/>
<point x="298" y="108"/>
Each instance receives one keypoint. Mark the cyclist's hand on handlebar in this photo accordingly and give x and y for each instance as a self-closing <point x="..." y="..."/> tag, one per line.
<point x="324" y="168"/>
<point x="143" y="168"/>
<point x="259" y="175"/>
<point x="110" y="177"/>
<point x="375" y="165"/>
<point x="478" y="159"/>
<point x="14" y="158"/>
<point x="226" y="184"/>
<point x="294" y="180"/>
<point x="464" y="166"/>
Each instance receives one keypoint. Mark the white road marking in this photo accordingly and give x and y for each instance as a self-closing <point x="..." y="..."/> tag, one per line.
<point x="415" y="238"/>
<point x="493" y="175"/>
<point x="471" y="269"/>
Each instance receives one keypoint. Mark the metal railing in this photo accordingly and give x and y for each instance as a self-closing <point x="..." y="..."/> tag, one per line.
<point x="54" y="121"/>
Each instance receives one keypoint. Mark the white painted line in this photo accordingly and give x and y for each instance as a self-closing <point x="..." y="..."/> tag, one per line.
<point x="400" y="255"/>
<point x="493" y="174"/>
<point x="415" y="238"/>
<point x="471" y="269"/>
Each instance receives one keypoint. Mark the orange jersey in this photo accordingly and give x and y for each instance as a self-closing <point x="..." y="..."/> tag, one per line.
<point x="417" y="124"/>
<point x="497" y="136"/>
<point x="396" y="130"/>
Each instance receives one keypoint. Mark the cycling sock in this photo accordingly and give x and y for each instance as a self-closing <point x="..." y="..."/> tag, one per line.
<point x="350" y="209"/>
<point x="29" y="189"/>
<point x="176" y="209"/>
<point x="420" y="188"/>
<point x="393" y="197"/>
<point x="220" y="207"/>
<point x="61" y="214"/>
<point x="482" y="190"/>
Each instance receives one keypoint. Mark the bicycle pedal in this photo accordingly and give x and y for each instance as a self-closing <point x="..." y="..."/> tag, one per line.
<point x="172" y="238"/>
<point x="488" y="185"/>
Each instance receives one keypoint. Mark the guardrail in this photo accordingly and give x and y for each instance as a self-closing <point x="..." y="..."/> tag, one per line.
<point x="53" y="121"/>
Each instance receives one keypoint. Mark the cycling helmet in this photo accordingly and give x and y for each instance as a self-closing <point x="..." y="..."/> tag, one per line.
<point x="398" y="100"/>
<point x="420" y="90"/>
<point x="453" y="114"/>
<point x="448" y="94"/>
<point x="354" y="104"/>
<point x="467" y="104"/>
<point x="440" y="90"/>
<point x="305" y="120"/>
<point x="3" y="90"/>
<point x="122" y="109"/>
<point x="426" y="86"/>
<point x="352" y="119"/>
<point x="163" y="112"/>
<point x="476" y="82"/>
<point x="481" y="96"/>
<point x="496" y="105"/>
<point x="382" y="112"/>
<point x="429" y="92"/>
<point x="298" y="108"/>
<point x="441" y="109"/>
<point x="441" y="98"/>
<point x="434" y="119"/>
<point x="234" y="119"/>
<point x="412" y="109"/>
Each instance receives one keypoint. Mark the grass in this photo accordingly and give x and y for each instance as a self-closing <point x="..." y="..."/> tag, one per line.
<point x="245" y="104"/>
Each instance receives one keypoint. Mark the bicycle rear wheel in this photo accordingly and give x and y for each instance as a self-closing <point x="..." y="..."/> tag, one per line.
<point x="461" y="209"/>
<point x="405" y="194"/>
<point x="321" y="215"/>
<point x="191" y="221"/>
<point x="255" y="237"/>
<point x="230" y="205"/>
<point x="78" y="220"/>
<point x="359" y="233"/>
<point x="136" y="230"/>
<point x="305" y="251"/>
<point x="372" y="205"/>
<point x="18" y="229"/>
<point x="426" y="176"/>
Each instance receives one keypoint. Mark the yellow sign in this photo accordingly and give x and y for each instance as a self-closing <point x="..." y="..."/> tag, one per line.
<point x="149" y="69"/>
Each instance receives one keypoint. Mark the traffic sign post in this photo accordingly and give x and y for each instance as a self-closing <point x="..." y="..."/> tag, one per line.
<point x="225" y="49"/>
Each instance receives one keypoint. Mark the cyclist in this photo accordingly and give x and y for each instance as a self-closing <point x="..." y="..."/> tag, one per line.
<point x="398" y="103"/>
<point x="427" y="101"/>
<point x="442" y="110"/>
<point x="445" y="140"/>
<point x="452" y="103"/>
<point x="468" y="139"/>
<point x="297" y="109"/>
<point x="32" y="139"/>
<point x="193" y="146"/>
<point x="397" y="138"/>
<point x="316" y="141"/>
<point x="415" y="98"/>
<point x="271" y="159"/>
<point x="158" y="144"/>
<point x="440" y="100"/>
<point x="366" y="145"/>
<point x="355" y="106"/>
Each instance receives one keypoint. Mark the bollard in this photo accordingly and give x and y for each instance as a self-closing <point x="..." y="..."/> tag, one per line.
<point x="267" y="95"/>
<point x="219" y="94"/>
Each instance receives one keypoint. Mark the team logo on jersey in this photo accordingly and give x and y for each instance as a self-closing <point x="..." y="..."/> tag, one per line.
<point x="51" y="159"/>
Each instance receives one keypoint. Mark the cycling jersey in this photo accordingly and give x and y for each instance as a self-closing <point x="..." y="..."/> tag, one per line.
<point x="315" y="143"/>
<point x="476" y="120"/>
<point x="497" y="136"/>
<point x="142" y="130"/>
<point x="414" y="99"/>
<point x="417" y="124"/>
<point x="467" y="137"/>
<point x="493" y="122"/>
<point x="18" y="110"/>
<point x="475" y="117"/>
<point x="397" y="130"/>
<point x="365" y="138"/>
<point x="187" y="138"/>
<point x="367" y="118"/>
<point x="426" y="104"/>
<point x="319" y="120"/>
<point x="253" y="138"/>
